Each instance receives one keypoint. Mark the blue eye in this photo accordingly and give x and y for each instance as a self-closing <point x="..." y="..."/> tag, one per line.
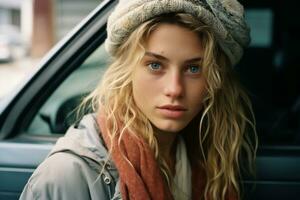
<point x="154" y="66"/>
<point x="194" y="69"/>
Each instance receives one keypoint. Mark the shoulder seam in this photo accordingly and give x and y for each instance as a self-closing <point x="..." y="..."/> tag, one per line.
<point x="30" y="186"/>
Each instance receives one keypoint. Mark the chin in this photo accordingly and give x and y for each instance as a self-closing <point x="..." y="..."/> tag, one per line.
<point x="170" y="127"/>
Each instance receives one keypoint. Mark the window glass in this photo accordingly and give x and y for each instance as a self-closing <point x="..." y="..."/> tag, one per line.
<point x="269" y="70"/>
<point x="260" y="22"/>
<point x="29" y="29"/>
<point x="58" y="113"/>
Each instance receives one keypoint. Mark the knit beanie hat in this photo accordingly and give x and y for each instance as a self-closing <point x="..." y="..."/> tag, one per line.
<point x="225" y="17"/>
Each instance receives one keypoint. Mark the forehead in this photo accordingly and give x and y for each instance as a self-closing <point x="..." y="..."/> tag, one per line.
<point x="174" y="38"/>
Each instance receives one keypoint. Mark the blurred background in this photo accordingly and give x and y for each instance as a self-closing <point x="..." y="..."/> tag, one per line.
<point x="29" y="29"/>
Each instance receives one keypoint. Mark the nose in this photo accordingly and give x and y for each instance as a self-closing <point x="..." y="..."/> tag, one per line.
<point x="174" y="87"/>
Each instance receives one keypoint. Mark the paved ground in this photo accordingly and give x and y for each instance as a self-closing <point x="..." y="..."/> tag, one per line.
<point x="11" y="74"/>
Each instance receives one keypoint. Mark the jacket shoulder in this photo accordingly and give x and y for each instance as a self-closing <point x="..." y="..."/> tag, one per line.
<point x="64" y="175"/>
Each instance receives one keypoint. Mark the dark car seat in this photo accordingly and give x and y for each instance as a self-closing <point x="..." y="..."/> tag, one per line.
<point x="287" y="85"/>
<point x="256" y="71"/>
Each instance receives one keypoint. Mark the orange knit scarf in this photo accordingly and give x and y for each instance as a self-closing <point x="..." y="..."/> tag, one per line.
<point x="140" y="175"/>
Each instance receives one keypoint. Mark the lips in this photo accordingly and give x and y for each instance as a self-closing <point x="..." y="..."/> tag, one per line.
<point x="173" y="107"/>
<point x="172" y="111"/>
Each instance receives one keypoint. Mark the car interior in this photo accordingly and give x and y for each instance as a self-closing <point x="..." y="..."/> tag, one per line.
<point x="269" y="72"/>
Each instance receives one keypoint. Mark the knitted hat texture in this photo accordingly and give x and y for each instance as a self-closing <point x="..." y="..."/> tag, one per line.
<point x="225" y="17"/>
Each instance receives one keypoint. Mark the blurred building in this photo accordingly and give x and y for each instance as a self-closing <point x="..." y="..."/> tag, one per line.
<point x="10" y="12"/>
<point x="43" y="22"/>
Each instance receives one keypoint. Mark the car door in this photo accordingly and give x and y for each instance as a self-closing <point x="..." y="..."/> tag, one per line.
<point x="25" y="141"/>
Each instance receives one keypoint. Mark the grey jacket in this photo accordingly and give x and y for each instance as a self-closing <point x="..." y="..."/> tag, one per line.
<point x="73" y="168"/>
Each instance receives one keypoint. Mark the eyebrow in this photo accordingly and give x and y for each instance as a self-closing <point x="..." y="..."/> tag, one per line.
<point x="160" y="57"/>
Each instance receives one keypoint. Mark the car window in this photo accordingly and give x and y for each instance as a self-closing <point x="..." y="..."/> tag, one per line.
<point x="29" y="29"/>
<point x="269" y="70"/>
<point x="59" y="111"/>
<point x="261" y="24"/>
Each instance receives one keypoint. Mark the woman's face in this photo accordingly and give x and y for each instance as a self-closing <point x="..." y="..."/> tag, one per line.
<point x="168" y="84"/>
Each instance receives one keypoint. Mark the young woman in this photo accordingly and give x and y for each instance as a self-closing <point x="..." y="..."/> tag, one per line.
<point x="171" y="120"/>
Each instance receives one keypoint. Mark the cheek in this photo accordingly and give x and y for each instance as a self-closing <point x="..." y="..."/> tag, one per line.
<point x="142" y="90"/>
<point x="197" y="93"/>
<point x="136" y="90"/>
